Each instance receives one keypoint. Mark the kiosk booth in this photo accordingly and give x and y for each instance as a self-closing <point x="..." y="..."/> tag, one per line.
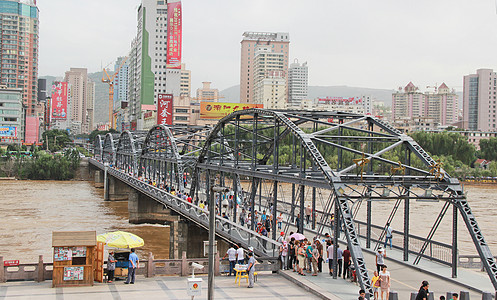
<point x="75" y="258"/>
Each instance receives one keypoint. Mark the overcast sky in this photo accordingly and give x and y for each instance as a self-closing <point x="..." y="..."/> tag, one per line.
<point x="361" y="43"/>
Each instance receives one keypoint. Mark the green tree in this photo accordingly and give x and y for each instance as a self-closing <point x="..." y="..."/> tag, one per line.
<point x="55" y="139"/>
<point x="488" y="148"/>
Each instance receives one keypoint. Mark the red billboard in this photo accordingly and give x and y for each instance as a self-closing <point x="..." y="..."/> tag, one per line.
<point x="165" y="109"/>
<point x="59" y="100"/>
<point x="173" y="57"/>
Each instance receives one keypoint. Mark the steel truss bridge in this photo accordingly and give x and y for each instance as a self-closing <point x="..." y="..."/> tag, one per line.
<point x="279" y="161"/>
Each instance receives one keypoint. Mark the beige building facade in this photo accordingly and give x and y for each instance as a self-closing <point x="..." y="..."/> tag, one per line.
<point x="81" y="100"/>
<point x="278" y="42"/>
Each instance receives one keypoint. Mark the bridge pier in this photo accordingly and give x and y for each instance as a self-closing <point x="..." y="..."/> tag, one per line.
<point x="98" y="177"/>
<point x="143" y="209"/>
<point x="118" y="190"/>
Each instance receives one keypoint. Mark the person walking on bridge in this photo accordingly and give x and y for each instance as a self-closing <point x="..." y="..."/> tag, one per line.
<point x="384" y="282"/>
<point x="423" y="291"/>
<point x="388" y="236"/>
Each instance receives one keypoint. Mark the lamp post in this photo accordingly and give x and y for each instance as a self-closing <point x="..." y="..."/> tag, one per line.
<point x="212" y="234"/>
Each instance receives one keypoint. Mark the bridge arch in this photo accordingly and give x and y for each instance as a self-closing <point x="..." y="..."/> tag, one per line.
<point x="128" y="151"/>
<point x="349" y="158"/>
<point x="109" y="149"/>
<point x="160" y="161"/>
<point x="98" y="145"/>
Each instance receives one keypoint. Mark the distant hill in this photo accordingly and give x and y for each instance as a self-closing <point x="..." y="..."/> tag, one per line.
<point x="232" y="94"/>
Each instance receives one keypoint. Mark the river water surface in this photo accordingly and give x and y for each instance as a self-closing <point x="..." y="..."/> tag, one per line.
<point x="31" y="210"/>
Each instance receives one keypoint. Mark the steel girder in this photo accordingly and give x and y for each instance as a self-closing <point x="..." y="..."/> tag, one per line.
<point x="357" y="157"/>
<point x="229" y="231"/>
<point x="98" y="145"/>
<point x="128" y="151"/>
<point x="109" y="148"/>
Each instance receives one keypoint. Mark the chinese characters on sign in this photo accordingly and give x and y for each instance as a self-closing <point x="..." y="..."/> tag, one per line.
<point x="340" y="100"/>
<point x="218" y="110"/>
<point x="165" y="109"/>
<point x="173" y="57"/>
<point x="59" y="100"/>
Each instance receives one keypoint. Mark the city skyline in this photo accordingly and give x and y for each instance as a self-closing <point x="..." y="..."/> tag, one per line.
<point x="378" y="45"/>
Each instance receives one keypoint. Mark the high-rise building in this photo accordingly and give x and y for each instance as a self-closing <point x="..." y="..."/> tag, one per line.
<point x="479" y="100"/>
<point x="19" y="43"/>
<point x="269" y="77"/>
<point x="90" y="105"/>
<point x="147" y="73"/>
<point x="81" y="100"/>
<point x="206" y="93"/>
<point x="297" y="83"/>
<point x="120" y="82"/>
<point x="11" y="115"/>
<point x="277" y="42"/>
<point x="440" y="106"/>
<point x="186" y="82"/>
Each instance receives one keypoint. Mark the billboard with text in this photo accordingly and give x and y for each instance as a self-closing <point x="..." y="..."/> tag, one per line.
<point x="8" y="132"/>
<point x="165" y="109"/>
<point x="173" y="57"/>
<point x="218" y="110"/>
<point x="59" y="100"/>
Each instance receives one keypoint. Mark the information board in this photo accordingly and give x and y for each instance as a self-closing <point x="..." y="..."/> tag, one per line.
<point x="74" y="273"/>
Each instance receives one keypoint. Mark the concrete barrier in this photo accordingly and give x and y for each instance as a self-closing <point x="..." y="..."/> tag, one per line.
<point x="464" y="295"/>
<point x="393" y="295"/>
<point x="486" y="296"/>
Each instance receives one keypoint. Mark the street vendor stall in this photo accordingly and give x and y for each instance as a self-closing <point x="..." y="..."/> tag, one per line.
<point x="73" y="259"/>
<point x="121" y="240"/>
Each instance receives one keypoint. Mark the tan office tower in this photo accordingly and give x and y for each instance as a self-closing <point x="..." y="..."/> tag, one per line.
<point x="186" y="82"/>
<point x="278" y="42"/>
<point x="206" y="93"/>
<point x="79" y="100"/>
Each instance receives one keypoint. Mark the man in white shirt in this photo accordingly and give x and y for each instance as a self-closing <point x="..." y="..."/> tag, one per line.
<point x="240" y="255"/>
<point x="231" y="254"/>
<point x="330" y="256"/>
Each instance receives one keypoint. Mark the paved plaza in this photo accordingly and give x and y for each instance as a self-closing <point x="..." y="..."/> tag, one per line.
<point x="267" y="287"/>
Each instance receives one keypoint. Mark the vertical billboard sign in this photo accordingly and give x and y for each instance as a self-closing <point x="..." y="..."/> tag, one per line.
<point x="173" y="57"/>
<point x="165" y="109"/>
<point x="59" y="100"/>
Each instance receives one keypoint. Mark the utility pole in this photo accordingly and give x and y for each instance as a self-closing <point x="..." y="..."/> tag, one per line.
<point x="212" y="234"/>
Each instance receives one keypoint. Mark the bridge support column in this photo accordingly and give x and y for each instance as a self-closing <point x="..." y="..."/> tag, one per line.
<point x="117" y="190"/>
<point x="99" y="179"/>
<point x="143" y="209"/>
<point x="178" y="240"/>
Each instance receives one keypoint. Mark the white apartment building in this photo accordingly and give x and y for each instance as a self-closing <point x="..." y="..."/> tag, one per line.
<point x="269" y="78"/>
<point x="297" y="83"/>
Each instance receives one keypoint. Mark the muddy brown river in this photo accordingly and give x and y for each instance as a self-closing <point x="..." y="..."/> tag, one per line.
<point x="31" y="210"/>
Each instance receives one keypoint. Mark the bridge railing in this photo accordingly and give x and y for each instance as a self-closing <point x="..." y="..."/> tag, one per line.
<point x="148" y="267"/>
<point x="436" y="251"/>
<point x="233" y="232"/>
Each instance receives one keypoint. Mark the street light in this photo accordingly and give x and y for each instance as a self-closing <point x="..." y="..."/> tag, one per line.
<point x="212" y="234"/>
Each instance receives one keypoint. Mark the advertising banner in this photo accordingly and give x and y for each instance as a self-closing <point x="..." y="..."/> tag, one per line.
<point x="173" y="57"/>
<point x="340" y="100"/>
<point x="218" y="110"/>
<point x="59" y="100"/>
<point x="8" y="132"/>
<point x="165" y="109"/>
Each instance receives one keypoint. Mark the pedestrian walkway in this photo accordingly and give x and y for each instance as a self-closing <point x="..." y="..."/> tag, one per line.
<point x="324" y="285"/>
<point x="270" y="286"/>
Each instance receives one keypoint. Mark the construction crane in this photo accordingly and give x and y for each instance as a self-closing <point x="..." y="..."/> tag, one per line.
<point x="110" y="80"/>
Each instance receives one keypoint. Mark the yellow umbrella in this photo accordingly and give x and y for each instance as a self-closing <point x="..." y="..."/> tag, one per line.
<point x="121" y="239"/>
